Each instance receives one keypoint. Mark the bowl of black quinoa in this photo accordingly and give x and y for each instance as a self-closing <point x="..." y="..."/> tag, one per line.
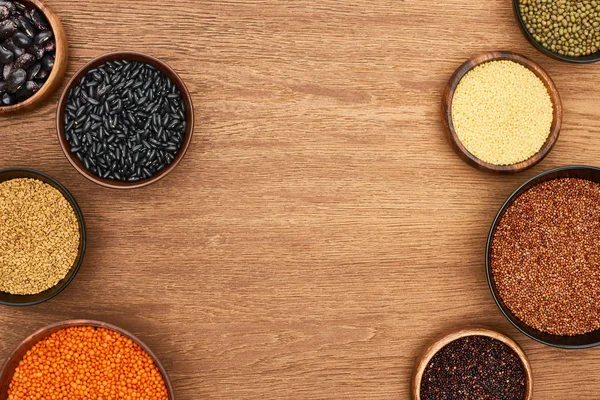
<point x="472" y="363"/>
<point x="125" y="120"/>
<point x="33" y="54"/>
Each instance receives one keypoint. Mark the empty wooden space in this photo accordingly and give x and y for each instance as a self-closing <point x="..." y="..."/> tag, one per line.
<point x="320" y="231"/>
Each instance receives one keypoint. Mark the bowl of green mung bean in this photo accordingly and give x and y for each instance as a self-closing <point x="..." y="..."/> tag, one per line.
<point x="567" y="30"/>
<point x="42" y="237"/>
<point x="502" y="112"/>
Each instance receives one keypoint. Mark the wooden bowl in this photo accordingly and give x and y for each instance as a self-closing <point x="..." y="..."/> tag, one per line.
<point x="131" y="56"/>
<point x="565" y="342"/>
<point x="455" y="142"/>
<point x="592" y="58"/>
<point x="16" y="356"/>
<point x="60" y="63"/>
<point x="29" y="300"/>
<point x="431" y="350"/>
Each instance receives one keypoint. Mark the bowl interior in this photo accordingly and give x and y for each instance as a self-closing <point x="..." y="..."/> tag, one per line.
<point x="27" y="300"/>
<point x="580" y="341"/>
<point x="462" y="151"/>
<point x="131" y="56"/>
<point x="60" y="64"/>
<point x="577" y="60"/>
<point x="15" y="357"/>
<point x="447" y="338"/>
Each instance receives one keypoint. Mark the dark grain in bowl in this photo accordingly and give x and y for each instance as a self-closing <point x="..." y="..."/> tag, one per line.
<point x="15" y="357"/>
<point x="431" y="350"/>
<point x="132" y="56"/>
<point x="60" y="64"/>
<point x="566" y="342"/>
<point x="592" y="58"/>
<point x="452" y="136"/>
<point x="29" y="300"/>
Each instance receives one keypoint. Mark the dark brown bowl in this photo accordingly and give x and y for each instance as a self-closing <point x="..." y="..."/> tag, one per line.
<point x="30" y="300"/>
<point x="60" y="63"/>
<point x="131" y="56"/>
<point x="449" y="337"/>
<point x="565" y="342"/>
<point x="16" y="356"/>
<point x="455" y="142"/>
<point x="592" y="58"/>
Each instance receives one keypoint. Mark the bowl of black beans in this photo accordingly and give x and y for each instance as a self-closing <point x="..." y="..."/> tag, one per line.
<point x="125" y="120"/>
<point x="33" y="54"/>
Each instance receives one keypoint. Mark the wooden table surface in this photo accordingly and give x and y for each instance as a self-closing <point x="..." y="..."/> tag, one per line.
<point x="320" y="231"/>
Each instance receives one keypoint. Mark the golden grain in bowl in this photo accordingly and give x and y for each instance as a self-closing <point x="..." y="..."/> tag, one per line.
<point x="42" y="237"/>
<point x="502" y="112"/>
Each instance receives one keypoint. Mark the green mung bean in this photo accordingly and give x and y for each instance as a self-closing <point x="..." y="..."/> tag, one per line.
<point x="567" y="27"/>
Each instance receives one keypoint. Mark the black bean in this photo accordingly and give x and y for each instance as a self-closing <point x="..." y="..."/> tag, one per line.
<point x="22" y="40"/>
<point x="48" y="62"/>
<point x="25" y="61"/>
<point x="38" y="19"/>
<point x="26" y="27"/>
<point x="6" y="56"/>
<point x="7" y="29"/>
<point x="15" y="80"/>
<point x="33" y="71"/>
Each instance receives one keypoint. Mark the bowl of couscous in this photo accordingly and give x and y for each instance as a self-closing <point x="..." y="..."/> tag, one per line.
<point x="502" y="112"/>
<point x="42" y="237"/>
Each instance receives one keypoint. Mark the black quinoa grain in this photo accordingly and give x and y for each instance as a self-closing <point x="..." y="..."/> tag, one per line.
<point x="125" y="120"/>
<point x="474" y="368"/>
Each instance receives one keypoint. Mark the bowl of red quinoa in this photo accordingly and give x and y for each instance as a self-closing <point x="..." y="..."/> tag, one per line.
<point x="44" y="237"/>
<point x="473" y="363"/>
<point x="84" y="359"/>
<point x="542" y="257"/>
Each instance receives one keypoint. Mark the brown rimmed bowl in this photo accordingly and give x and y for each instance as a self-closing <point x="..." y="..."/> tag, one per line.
<point x="565" y="342"/>
<point x="17" y="355"/>
<point x="592" y="58"/>
<point x="30" y="300"/>
<point x="57" y="74"/>
<point x="131" y="56"/>
<point x="455" y="142"/>
<point x="427" y="354"/>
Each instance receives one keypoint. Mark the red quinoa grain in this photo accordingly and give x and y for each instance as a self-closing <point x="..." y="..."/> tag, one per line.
<point x="545" y="257"/>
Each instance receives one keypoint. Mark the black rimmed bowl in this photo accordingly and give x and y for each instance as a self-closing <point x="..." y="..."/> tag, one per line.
<point x="10" y="365"/>
<point x="30" y="300"/>
<point x="592" y="58"/>
<point x="566" y="342"/>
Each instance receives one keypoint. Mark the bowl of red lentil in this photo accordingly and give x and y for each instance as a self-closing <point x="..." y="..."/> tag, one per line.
<point x="467" y="363"/>
<point x="84" y="359"/>
<point x="542" y="256"/>
<point x="43" y="237"/>
<point x="502" y="112"/>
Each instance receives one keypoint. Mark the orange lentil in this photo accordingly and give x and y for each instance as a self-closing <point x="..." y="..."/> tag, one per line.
<point x="83" y="363"/>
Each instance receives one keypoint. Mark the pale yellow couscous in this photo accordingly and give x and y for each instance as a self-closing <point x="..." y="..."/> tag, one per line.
<point x="502" y="112"/>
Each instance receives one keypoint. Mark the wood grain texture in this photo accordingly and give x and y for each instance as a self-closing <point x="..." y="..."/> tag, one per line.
<point x="320" y="231"/>
<point x="448" y="96"/>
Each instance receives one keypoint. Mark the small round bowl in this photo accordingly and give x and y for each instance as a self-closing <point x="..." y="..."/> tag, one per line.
<point x="431" y="350"/>
<point x="60" y="63"/>
<point x="592" y="58"/>
<point x="30" y="300"/>
<point x="131" y="56"/>
<point x="565" y="342"/>
<point x="455" y="142"/>
<point x="17" y="355"/>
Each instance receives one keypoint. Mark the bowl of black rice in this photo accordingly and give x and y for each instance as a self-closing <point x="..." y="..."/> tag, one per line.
<point x="125" y="120"/>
